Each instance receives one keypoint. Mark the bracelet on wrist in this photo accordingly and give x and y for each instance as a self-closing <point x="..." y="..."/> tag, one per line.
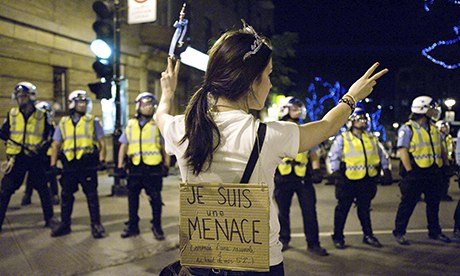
<point x="351" y="96"/>
<point x="349" y="103"/>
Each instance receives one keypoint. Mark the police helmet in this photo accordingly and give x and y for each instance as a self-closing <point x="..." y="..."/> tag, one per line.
<point x="441" y="124"/>
<point x="427" y="106"/>
<point x="358" y="114"/>
<point x="44" y="106"/>
<point x="25" y="87"/>
<point x="289" y="103"/>
<point x="77" y="95"/>
<point x="145" y="97"/>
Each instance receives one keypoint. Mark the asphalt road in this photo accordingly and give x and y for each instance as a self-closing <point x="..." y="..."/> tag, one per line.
<point x="26" y="248"/>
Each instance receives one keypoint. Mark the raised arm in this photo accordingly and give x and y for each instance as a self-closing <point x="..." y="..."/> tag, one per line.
<point x="314" y="133"/>
<point x="168" y="88"/>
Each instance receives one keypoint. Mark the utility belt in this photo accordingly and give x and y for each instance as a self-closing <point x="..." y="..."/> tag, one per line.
<point x="87" y="161"/>
<point x="433" y="170"/>
<point x="145" y="170"/>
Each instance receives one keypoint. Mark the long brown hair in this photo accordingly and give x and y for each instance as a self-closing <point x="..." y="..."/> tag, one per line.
<point x="228" y="75"/>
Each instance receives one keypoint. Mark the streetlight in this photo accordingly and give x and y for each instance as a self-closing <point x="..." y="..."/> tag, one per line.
<point x="450" y="114"/>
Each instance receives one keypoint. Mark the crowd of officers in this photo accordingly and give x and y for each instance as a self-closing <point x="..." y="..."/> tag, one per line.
<point x="358" y="161"/>
<point x="35" y="144"/>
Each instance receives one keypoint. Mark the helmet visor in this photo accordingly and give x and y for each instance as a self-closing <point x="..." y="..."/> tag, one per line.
<point x="434" y="112"/>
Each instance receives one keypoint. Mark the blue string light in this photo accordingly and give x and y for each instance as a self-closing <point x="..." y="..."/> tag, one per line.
<point x="425" y="51"/>
<point x="315" y="105"/>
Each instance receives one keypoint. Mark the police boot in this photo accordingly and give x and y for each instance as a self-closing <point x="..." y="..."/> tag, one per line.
<point x="61" y="230"/>
<point x="97" y="230"/>
<point x="156" y="204"/>
<point x="131" y="229"/>
<point x="66" y="211"/>
<point x="47" y="205"/>
<point x="4" y="201"/>
<point x="158" y="232"/>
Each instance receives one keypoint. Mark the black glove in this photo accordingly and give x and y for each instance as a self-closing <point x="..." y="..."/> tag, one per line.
<point x="316" y="176"/>
<point x="164" y="171"/>
<point x="120" y="172"/>
<point x="386" y="179"/>
<point x="54" y="171"/>
<point x="410" y="176"/>
<point x="338" y="177"/>
<point x="101" y="166"/>
<point x="448" y="171"/>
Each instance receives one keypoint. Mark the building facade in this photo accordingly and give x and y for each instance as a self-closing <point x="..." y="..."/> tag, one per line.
<point x="46" y="42"/>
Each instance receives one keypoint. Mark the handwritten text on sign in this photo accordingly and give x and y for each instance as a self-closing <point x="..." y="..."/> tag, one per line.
<point x="224" y="226"/>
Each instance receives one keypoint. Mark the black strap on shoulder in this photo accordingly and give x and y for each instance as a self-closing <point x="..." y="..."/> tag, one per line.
<point x="255" y="153"/>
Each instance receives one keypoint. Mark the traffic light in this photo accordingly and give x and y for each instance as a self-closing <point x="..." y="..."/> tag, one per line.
<point x="103" y="90"/>
<point x="102" y="47"/>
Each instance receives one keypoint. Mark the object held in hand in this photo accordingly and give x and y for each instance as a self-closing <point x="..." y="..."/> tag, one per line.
<point x="178" y="37"/>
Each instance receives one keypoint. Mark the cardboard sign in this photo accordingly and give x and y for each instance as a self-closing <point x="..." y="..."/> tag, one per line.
<point x="225" y="226"/>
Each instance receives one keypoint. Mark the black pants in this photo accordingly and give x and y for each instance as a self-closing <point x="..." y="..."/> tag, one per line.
<point x="51" y="180"/>
<point x="284" y="191"/>
<point x="361" y="192"/>
<point x="411" y="189"/>
<point x="13" y="180"/>
<point x="147" y="178"/>
<point x="79" y="172"/>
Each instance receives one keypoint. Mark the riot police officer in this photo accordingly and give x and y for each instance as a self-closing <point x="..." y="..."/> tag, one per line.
<point x="80" y="138"/>
<point x="295" y="176"/>
<point x="25" y="130"/>
<point x="147" y="164"/>
<point x="457" y="210"/>
<point x="422" y="156"/>
<point x="356" y="160"/>
<point x="447" y="168"/>
<point x="27" y="198"/>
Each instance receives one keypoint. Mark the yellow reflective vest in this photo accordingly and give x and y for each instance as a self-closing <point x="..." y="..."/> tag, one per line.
<point x="449" y="146"/>
<point x="299" y="164"/>
<point x="77" y="139"/>
<point x="26" y="132"/>
<point x="425" y="147"/>
<point x="143" y="143"/>
<point x="361" y="156"/>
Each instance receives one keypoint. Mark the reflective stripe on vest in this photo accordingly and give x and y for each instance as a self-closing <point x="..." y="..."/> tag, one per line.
<point x="28" y="133"/>
<point x="299" y="163"/>
<point x="361" y="156"/>
<point x="449" y="144"/>
<point x="425" y="147"/>
<point x="77" y="140"/>
<point x="143" y="144"/>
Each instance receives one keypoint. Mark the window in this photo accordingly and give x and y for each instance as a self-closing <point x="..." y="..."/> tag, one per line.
<point x="60" y="89"/>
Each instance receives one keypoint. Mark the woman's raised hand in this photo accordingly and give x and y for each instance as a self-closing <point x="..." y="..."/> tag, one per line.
<point x="364" y="85"/>
<point x="169" y="78"/>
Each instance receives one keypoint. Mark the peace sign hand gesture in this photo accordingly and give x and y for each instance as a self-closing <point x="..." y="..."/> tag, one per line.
<point x="364" y="85"/>
<point x="169" y="79"/>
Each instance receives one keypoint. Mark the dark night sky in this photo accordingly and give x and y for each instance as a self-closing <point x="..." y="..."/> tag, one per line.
<point x="339" y="40"/>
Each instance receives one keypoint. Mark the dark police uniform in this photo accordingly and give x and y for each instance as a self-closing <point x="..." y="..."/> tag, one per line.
<point x="30" y="132"/>
<point x="145" y="153"/>
<point x="424" y="145"/>
<point x="294" y="176"/>
<point x="357" y="160"/>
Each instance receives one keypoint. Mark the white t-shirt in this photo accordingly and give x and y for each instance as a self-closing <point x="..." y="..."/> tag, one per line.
<point x="238" y="133"/>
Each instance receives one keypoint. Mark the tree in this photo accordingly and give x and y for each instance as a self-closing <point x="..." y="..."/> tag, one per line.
<point x="283" y="51"/>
